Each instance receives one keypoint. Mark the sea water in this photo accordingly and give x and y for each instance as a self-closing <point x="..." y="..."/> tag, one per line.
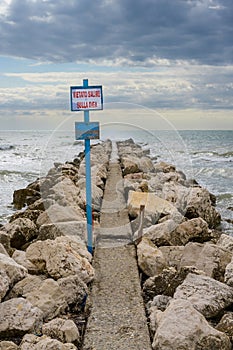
<point x="206" y="156"/>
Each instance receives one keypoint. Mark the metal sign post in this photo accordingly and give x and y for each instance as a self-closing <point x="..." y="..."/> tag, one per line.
<point x="87" y="98"/>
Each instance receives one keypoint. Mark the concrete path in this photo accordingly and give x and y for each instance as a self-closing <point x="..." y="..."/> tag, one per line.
<point x="117" y="320"/>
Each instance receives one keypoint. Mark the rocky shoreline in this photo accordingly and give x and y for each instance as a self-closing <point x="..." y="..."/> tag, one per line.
<point x="185" y="261"/>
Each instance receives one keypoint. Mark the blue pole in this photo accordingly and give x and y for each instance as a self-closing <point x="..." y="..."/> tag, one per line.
<point x="88" y="182"/>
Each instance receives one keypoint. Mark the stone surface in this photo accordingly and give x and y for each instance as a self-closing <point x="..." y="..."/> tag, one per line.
<point x="4" y="284"/>
<point x="182" y="327"/>
<point x="150" y="258"/>
<point x="65" y="192"/>
<point x="64" y="330"/>
<point x="49" y="298"/>
<point x="200" y="205"/>
<point x="8" y="345"/>
<point x="17" y="317"/>
<point x="226" y="242"/>
<point x="97" y="195"/>
<point x="166" y="282"/>
<point x="207" y="257"/>
<point x="25" y="286"/>
<point x="74" y="289"/>
<point x="14" y="271"/>
<point x="70" y="228"/>
<point x="58" y="213"/>
<point x="3" y="250"/>
<point x="61" y="257"/>
<point x="226" y="324"/>
<point x="21" y="231"/>
<point x="171" y="232"/>
<point x="208" y="296"/>
<point x="24" y="196"/>
<point x="32" y="342"/>
<point x="5" y="241"/>
<point x="155" y="207"/>
<point x="228" y="277"/>
<point x="20" y="257"/>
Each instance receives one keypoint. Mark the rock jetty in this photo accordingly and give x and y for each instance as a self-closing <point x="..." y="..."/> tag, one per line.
<point x="184" y="259"/>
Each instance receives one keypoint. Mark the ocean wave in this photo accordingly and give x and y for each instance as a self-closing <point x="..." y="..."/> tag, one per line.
<point x="6" y="147"/>
<point x="214" y="156"/>
<point x="224" y="196"/>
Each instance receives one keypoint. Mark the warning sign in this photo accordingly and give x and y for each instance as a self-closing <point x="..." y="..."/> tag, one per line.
<point x="86" y="99"/>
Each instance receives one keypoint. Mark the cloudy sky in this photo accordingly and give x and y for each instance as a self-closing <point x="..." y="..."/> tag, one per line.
<point x="172" y="58"/>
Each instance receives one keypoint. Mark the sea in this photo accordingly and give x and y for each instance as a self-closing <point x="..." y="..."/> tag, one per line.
<point x="204" y="155"/>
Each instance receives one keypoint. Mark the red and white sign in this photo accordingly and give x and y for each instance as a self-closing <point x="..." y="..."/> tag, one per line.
<point x="84" y="99"/>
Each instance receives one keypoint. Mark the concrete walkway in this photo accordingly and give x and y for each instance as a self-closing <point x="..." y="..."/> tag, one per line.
<point x="117" y="320"/>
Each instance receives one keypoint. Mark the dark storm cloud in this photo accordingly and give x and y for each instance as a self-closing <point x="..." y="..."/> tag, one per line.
<point x="133" y="30"/>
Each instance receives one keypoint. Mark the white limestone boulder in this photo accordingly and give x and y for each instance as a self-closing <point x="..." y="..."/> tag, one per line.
<point x="58" y="213"/>
<point x="33" y="342"/>
<point x="61" y="257"/>
<point x="226" y="242"/>
<point x="200" y="205"/>
<point x="77" y="229"/>
<point x="8" y="345"/>
<point x="20" y="257"/>
<point x="49" y="298"/>
<point x="4" y="284"/>
<point x="14" y="271"/>
<point x="18" y="317"/>
<point x="61" y="329"/>
<point x="181" y="326"/>
<point x="150" y="258"/>
<point x="208" y="296"/>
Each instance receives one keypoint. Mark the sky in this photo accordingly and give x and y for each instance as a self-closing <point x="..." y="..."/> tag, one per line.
<point x="162" y="63"/>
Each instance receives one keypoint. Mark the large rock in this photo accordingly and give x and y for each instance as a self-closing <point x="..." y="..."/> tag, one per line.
<point x="97" y="195"/>
<point x="17" y="317"/>
<point x="182" y="327"/>
<point x="150" y="258"/>
<point x="49" y="298"/>
<point x="226" y="242"/>
<point x="173" y="255"/>
<point x="74" y="289"/>
<point x="70" y="228"/>
<point x="14" y="271"/>
<point x="25" y="286"/>
<point x="228" y="277"/>
<point x="226" y="324"/>
<point x="200" y="204"/>
<point x="154" y="205"/>
<point x="4" y="284"/>
<point x="24" y="196"/>
<point x="5" y="241"/>
<point x="65" y="191"/>
<point x="20" y="257"/>
<point x="172" y="232"/>
<point x="58" y="213"/>
<point x="208" y="296"/>
<point x="129" y="165"/>
<point x="166" y="282"/>
<point x="64" y="330"/>
<point x="207" y="257"/>
<point x="32" y="342"/>
<point x="21" y="231"/>
<point x="191" y="230"/>
<point x="61" y="257"/>
<point x="27" y="214"/>
<point x="3" y="250"/>
<point x="8" y="345"/>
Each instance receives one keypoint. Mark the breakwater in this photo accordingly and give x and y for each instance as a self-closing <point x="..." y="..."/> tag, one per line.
<point x="184" y="260"/>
